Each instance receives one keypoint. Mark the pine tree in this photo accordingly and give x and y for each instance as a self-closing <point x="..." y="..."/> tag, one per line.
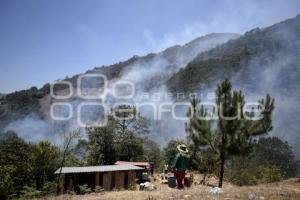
<point x="228" y="130"/>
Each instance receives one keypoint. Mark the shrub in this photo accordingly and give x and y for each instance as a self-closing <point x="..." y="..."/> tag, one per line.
<point x="132" y="187"/>
<point x="49" y="188"/>
<point x="71" y="192"/>
<point x="271" y="161"/>
<point x="84" y="189"/>
<point x="254" y="176"/>
<point x="30" y="193"/>
<point x="99" y="189"/>
<point x="269" y="174"/>
<point x="273" y="151"/>
<point x="244" y="177"/>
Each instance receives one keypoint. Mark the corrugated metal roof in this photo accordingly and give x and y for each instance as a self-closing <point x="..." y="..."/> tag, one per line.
<point x="102" y="168"/>
<point x="144" y="164"/>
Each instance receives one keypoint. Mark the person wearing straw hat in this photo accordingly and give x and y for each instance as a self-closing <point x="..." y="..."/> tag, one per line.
<point x="180" y="164"/>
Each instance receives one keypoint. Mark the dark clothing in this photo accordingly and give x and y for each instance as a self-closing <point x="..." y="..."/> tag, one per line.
<point x="180" y="162"/>
<point x="180" y="177"/>
<point x="152" y="169"/>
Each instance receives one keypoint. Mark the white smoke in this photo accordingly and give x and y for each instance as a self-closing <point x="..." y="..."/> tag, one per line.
<point x="147" y="74"/>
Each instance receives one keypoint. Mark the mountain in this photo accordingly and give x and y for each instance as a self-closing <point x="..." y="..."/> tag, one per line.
<point x="26" y="108"/>
<point x="263" y="60"/>
<point x="266" y="46"/>
<point x="158" y="67"/>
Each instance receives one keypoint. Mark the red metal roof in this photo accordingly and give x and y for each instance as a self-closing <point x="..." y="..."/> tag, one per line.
<point x="139" y="164"/>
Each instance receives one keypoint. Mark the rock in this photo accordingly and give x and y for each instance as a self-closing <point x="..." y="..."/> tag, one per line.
<point x="261" y="198"/>
<point x="186" y="196"/>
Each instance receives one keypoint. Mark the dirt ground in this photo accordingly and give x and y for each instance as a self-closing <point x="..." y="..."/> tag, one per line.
<point x="289" y="189"/>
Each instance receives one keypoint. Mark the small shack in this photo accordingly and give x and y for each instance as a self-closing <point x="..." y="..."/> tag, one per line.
<point x="145" y="165"/>
<point x="106" y="176"/>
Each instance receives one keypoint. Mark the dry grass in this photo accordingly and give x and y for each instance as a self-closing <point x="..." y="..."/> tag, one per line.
<point x="289" y="189"/>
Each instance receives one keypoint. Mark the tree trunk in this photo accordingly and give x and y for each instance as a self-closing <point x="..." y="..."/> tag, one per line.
<point x="221" y="172"/>
<point x="204" y="179"/>
<point x="58" y="189"/>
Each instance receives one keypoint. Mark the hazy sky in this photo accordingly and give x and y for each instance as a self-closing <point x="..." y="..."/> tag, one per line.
<point x="44" y="40"/>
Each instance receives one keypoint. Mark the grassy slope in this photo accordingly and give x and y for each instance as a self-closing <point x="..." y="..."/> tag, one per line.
<point x="289" y="189"/>
<point x="275" y="191"/>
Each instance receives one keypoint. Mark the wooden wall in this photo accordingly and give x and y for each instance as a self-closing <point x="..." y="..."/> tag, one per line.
<point x="131" y="178"/>
<point x="107" y="177"/>
<point x="119" y="180"/>
<point x="107" y="180"/>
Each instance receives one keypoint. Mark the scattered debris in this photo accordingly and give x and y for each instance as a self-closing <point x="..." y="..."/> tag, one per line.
<point x="251" y="195"/>
<point x="147" y="186"/>
<point x="145" y="176"/>
<point x="215" y="190"/>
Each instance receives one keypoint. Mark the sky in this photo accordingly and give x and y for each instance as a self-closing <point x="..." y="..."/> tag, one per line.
<point x="45" y="40"/>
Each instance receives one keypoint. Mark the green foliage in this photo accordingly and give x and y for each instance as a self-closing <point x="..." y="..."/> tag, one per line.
<point x="272" y="151"/>
<point x="99" y="189"/>
<point x="84" y="189"/>
<point x="45" y="162"/>
<point x="227" y="131"/>
<point x="170" y="150"/>
<point x="128" y="119"/>
<point x="49" y="188"/>
<point x="119" y="139"/>
<point x="152" y="152"/>
<point x="16" y="158"/>
<point x="101" y="145"/>
<point x="26" y="169"/>
<point x="244" y="177"/>
<point x="269" y="174"/>
<point x="129" y="148"/>
<point x="105" y="146"/>
<point x="69" y="144"/>
<point x="205" y="161"/>
<point x="271" y="161"/>
<point x="30" y="193"/>
<point x="7" y="182"/>
<point x="258" y="175"/>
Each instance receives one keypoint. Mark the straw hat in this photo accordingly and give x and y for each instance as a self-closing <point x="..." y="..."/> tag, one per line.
<point x="182" y="148"/>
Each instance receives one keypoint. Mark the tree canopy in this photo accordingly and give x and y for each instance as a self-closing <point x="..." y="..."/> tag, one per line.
<point x="227" y="130"/>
